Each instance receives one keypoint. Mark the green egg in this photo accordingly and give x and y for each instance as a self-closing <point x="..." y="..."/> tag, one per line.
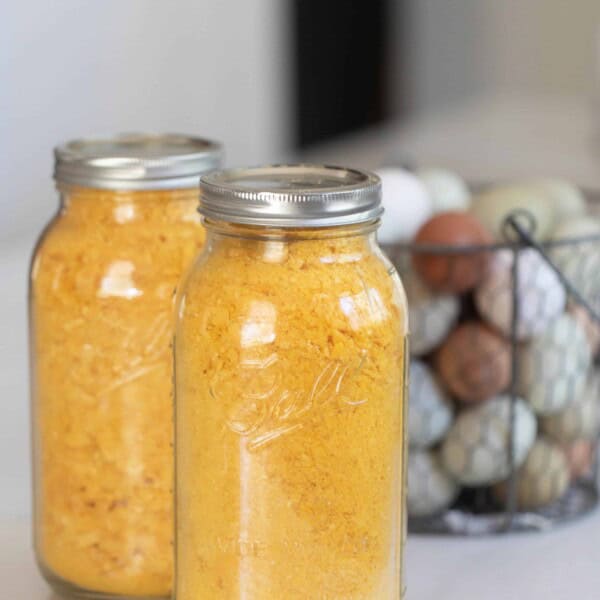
<point x="566" y="199"/>
<point x="494" y="205"/>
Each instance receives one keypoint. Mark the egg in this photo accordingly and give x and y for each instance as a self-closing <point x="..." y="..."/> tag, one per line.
<point x="406" y="204"/>
<point x="476" y="449"/>
<point x="580" y="458"/>
<point x="474" y="362"/>
<point x="447" y="190"/>
<point x="431" y="316"/>
<point x="579" y="261"/>
<point x="430" y="487"/>
<point x="540" y="293"/>
<point x="543" y="478"/>
<point x="493" y="206"/>
<point x="429" y="408"/>
<point x="580" y="419"/>
<point x="554" y="366"/>
<point x="582" y="271"/>
<point x="566" y="199"/>
<point x="451" y="272"/>
<point x="589" y="325"/>
<point x="572" y="228"/>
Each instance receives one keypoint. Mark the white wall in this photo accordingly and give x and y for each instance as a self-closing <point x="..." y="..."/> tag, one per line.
<point x="74" y="67"/>
<point x="543" y="45"/>
<point x="444" y="50"/>
<point x="460" y="48"/>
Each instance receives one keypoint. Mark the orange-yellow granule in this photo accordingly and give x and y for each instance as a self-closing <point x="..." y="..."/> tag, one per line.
<point x="102" y="291"/>
<point x="289" y="422"/>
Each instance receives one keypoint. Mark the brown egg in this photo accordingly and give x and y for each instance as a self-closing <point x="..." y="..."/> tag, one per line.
<point x="474" y="362"/>
<point x="452" y="272"/>
<point x="580" y="456"/>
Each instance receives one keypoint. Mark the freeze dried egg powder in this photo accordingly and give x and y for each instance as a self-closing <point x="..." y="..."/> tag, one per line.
<point x="103" y="285"/>
<point x="290" y="400"/>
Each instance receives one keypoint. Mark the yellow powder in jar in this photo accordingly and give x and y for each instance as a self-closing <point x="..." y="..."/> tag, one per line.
<point x="102" y="290"/>
<point x="290" y="361"/>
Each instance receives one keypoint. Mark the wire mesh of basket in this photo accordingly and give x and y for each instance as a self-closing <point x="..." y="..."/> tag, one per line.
<point x="504" y="414"/>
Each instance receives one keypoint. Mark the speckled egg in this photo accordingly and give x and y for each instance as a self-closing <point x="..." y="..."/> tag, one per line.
<point x="541" y="295"/>
<point x="429" y="408"/>
<point x="494" y="205"/>
<point x="474" y="362"/>
<point x="476" y="450"/>
<point x="431" y="316"/>
<point x="579" y="261"/>
<point x="452" y="272"/>
<point x="430" y="487"/>
<point x="580" y="419"/>
<point x="554" y="366"/>
<point x="582" y="270"/>
<point x="406" y="202"/>
<point x="448" y="191"/>
<point x="543" y="478"/>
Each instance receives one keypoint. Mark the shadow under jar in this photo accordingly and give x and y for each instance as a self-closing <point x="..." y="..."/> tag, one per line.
<point x="290" y="393"/>
<point x="102" y="289"/>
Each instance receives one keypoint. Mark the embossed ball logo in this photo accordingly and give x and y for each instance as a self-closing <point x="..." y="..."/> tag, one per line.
<point x="266" y="410"/>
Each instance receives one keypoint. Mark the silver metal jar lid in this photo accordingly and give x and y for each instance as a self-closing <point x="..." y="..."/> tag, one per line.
<point x="136" y="161"/>
<point x="291" y="196"/>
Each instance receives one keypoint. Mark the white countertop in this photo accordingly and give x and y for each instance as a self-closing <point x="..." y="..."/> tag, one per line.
<point x="563" y="564"/>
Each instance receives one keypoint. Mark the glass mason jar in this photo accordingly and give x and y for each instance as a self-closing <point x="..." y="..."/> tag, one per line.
<point x="290" y="393"/>
<point x="102" y="288"/>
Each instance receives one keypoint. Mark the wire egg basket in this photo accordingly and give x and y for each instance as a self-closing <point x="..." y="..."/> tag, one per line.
<point x="504" y="416"/>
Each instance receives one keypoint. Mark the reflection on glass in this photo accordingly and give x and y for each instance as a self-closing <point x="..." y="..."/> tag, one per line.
<point x="118" y="281"/>
<point x="259" y="326"/>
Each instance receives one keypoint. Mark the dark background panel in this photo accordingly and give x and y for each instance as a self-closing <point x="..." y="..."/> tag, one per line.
<point x="341" y="53"/>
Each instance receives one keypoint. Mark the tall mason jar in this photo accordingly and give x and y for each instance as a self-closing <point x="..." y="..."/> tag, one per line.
<point x="103" y="282"/>
<point x="290" y="393"/>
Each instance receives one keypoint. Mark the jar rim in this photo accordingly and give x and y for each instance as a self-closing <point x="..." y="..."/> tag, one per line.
<point x="136" y="161"/>
<point x="291" y="195"/>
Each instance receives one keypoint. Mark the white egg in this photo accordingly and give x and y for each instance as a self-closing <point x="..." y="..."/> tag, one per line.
<point x="476" y="450"/>
<point x="494" y="205"/>
<point x="431" y="316"/>
<point x="540" y="293"/>
<point x="581" y="419"/>
<point x="566" y="199"/>
<point x="430" y="487"/>
<point x="543" y="478"/>
<point x="429" y="408"/>
<point x="406" y="204"/>
<point x="447" y="190"/>
<point x="554" y="366"/>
